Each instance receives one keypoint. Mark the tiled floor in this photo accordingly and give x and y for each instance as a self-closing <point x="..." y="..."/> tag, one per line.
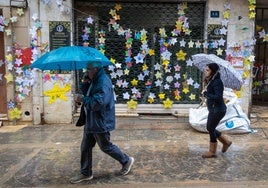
<point x="167" y="154"/>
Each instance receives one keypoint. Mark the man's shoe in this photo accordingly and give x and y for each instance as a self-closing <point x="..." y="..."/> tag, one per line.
<point x="80" y="178"/>
<point x="127" y="167"/>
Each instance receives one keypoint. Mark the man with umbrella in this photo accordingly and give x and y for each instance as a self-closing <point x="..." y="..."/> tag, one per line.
<point x="99" y="106"/>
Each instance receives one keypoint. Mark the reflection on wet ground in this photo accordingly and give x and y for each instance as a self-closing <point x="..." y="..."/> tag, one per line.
<point x="167" y="154"/>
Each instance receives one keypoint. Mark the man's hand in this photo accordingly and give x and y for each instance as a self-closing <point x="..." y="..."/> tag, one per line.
<point x="78" y="98"/>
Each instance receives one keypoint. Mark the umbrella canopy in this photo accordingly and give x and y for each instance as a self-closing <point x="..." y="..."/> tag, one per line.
<point x="230" y="77"/>
<point x="70" y="58"/>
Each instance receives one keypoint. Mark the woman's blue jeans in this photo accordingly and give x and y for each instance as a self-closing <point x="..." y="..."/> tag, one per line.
<point x="103" y="140"/>
<point x="213" y="120"/>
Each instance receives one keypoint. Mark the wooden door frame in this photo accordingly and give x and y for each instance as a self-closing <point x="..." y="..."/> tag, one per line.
<point x="3" y="85"/>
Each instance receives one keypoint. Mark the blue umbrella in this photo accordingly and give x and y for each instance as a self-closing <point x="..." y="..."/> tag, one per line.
<point x="70" y="58"/>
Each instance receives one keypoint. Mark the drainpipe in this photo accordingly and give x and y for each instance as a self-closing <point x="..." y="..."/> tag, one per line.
<point x="37" y="89"/>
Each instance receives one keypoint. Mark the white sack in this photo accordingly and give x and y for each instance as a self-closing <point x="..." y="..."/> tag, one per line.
<point x="234" y="121"/>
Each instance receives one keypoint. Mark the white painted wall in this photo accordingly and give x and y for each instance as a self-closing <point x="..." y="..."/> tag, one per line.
<point x="239" y="8"/>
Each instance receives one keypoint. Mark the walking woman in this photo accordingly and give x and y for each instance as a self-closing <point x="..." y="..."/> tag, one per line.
<point x="213" y="93"/>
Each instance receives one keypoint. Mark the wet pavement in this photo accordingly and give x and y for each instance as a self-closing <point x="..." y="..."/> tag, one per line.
<point x="167" y="154"/>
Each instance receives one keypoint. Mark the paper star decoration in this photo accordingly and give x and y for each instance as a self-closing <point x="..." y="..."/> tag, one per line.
<point x="185" y="90"/>
<point x="8" y="32"/>
<point x="151" y="52"/>
<point x="182" y="43"/>
<point x="226" y="14"/>
<point x="14" y="113"/>
<point x="14" y="19"/>
<point x="150" y="100"/>
<point x="251" y="7"/>
<point x="35" y="17"/>
<point x="252" y="1"/>
<point x="90" y="20"/>
<point x="224" y="22"/>
<point x="20" y="11"/>
<point x="9" y="77"/>
<point x="57" y="92"/>
<point x="134" y="82"/>
<point x="219" y="51"/>
<point x="161" y="95"/>
<point x="181" y="55"/>
<point x="118" y="7"/>
<point x="10" y="104"/>
<point x="227" y="6"/>
<point x="223" y="31"/>
<point x="167" y="103"/>
<point x="252" y="15"/>
<point x="192" y="97"/>
<point x="132" y="104"/>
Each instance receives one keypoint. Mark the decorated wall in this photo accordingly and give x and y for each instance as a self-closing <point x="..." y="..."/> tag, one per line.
<point x="50" y="95"/>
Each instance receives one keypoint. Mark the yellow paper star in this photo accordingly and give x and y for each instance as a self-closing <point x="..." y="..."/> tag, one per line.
<point x="118" y="7"/>
<point x="165" y="63"/>
<point x="185" y="90"/>
<point x="166" y="44"/>
<point x="247" y="61"/>
<point x="143" y="38"/>
<point x="251" y="15"/>
<point x="116" y="17"/>
<point x="151" y="52"/>
<point x="187" y="31"/>
<point x="126" y="71"/>
<point x="178" y="97"/>
<point x="192" y="97"/>
<point x="20" y="11"/>
<point x="134" y="82"/>
<point x="219" y="51"/>
<point x="14" y="113"/>
<point x="112" y="12"/>
<point x="226" y="14"/>
<point x="181" y="55"/>
<point x="251" y="7"/>
<point x="9" y="58"/>
<point x="246" y="74"/>
<point x="9" y="77"/>
<point x="132" y="104"/>
<point x="161" y="95"/>
<point x="102" y="51"/>
<point x="150" y="100"/>
<point x="144" y="67"/>
<point x="8" y="32"/>
<point x="113" y="60"/>
<point x="238" y="94"/>
<point x="57" y="92"/>
<point x="162" y="32"/>
<point x="178" y="25"/>
<point x="168" y="103"/>
<point x="158" y="75"/>
<point x="184" y="6"/>
<point x="102" y="40"/>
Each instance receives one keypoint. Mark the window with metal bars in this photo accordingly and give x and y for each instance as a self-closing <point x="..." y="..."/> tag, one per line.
<point x="151" y="17"/>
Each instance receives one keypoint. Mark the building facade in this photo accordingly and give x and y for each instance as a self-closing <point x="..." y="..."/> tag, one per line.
<point x="149" y="42"/>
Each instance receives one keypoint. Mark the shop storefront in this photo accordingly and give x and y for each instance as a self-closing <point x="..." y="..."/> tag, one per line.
<point x="150" y="44"/>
